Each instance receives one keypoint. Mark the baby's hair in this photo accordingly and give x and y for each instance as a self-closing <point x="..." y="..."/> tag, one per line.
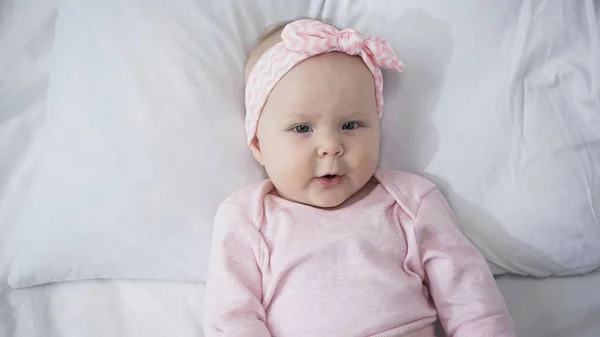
<point x="270" y="37"/>
<point x="276" y="28"/>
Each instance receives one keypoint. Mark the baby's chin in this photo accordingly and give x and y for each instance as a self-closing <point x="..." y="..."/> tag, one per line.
<point x="328" y="201"/>
<point x="323" y="202"/>
<point x="334" y="198"/>
<point x="329" y="204"/>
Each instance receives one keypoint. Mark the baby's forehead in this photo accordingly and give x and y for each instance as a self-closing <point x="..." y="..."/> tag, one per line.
<point x="335" y="85"/>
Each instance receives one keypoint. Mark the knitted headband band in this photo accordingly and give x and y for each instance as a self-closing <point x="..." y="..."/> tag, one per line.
<point x="307" y="38"/>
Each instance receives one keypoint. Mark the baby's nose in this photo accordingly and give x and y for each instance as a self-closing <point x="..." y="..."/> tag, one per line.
<point x="330" y="147"/>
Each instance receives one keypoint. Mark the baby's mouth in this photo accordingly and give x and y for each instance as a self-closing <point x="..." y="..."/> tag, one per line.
<point x="330" y="179"/>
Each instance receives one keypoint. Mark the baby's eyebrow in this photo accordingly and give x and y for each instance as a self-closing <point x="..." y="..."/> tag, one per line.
<point x="358" y="114"/>
<point x="298" y="116"/>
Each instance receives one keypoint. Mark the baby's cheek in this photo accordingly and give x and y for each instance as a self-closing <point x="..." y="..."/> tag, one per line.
<point x="368" y="159"/>
<point x="288" y="162"/>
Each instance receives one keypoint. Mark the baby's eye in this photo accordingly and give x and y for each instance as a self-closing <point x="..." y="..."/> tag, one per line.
<point x="349" y="126"/>
<point x="302" y="128"/>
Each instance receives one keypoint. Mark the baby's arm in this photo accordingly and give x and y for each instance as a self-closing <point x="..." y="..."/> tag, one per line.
<point x="459" y="279"/>
<point x="234" y="289"/>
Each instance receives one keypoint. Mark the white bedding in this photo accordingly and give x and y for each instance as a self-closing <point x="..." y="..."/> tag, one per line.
<point x="26" y="41"/>
<point x="552" y="307"/>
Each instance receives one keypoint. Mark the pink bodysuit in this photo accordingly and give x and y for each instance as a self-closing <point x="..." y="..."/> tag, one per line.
<point x="389" y="265"/>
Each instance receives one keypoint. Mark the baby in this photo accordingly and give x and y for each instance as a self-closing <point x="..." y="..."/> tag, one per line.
<point x="329" y="245"/>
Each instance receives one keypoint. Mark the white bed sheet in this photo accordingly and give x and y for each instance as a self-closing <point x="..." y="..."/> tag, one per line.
<point x="552" y="307"/>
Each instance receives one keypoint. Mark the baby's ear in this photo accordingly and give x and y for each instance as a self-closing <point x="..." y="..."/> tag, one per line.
<point x="255" y="148"/>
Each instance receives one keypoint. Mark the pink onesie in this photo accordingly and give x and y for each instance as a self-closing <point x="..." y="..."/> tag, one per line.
<point x="389" y="265"/>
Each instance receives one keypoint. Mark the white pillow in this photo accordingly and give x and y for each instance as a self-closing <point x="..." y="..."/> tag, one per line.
<point x="496" y="106"/>
<point x="144" y="137"/>
<point x="26" y="35"/>
<point x="144" y="133"/>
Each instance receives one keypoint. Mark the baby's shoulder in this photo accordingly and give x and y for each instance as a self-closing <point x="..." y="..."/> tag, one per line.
<point x="248" y="200"/>
<point x="407" y="188"/>
<point x="406" y="181"/>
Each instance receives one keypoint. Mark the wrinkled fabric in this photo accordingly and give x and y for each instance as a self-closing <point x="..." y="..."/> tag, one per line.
<point x="388" y="265"/>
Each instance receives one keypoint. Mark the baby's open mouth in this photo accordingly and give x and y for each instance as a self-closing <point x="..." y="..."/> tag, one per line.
<point x="330" y="179"/>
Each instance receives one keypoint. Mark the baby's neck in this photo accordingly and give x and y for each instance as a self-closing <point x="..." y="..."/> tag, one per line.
<point x="360" y="194"/>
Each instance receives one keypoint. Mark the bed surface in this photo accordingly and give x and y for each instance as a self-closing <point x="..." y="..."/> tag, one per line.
<point x="552" y="307"/>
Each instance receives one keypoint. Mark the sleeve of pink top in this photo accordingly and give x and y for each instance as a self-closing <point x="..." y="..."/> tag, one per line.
<point x="233" y="294"/>
<point x="459" y="280"/>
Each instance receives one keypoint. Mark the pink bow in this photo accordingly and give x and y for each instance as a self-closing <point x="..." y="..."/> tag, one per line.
<point x="314" y="37"/>
<point x="307" y="38"/>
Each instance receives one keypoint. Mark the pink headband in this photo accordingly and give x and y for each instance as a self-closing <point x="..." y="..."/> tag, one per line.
<point x="307" y="38"/>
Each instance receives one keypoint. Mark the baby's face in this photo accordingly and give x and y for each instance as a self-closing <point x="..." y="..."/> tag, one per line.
<point x="320" y="120"/>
